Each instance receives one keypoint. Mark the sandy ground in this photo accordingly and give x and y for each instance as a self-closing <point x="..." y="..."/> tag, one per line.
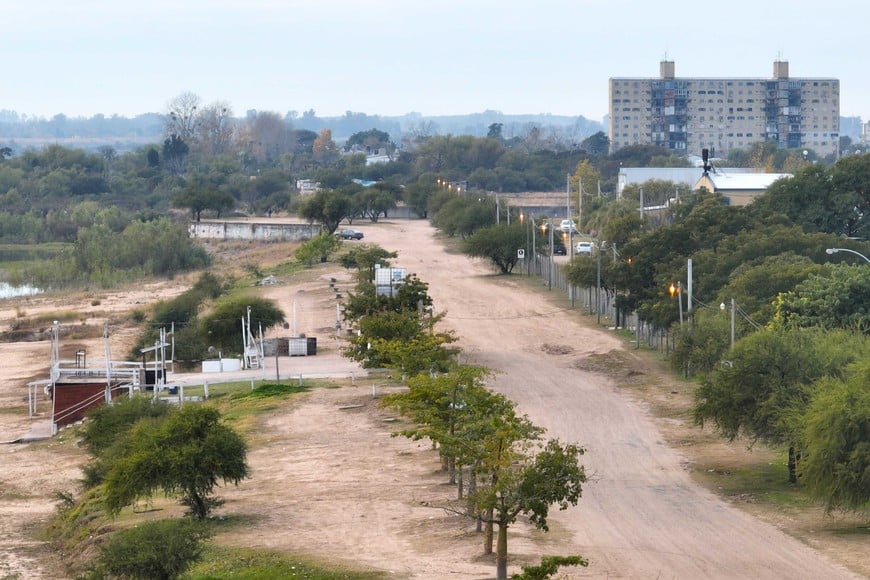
<point x="329" y="480"/>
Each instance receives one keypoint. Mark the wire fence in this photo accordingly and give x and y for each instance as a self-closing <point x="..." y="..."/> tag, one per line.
<point x="600" y="303"/>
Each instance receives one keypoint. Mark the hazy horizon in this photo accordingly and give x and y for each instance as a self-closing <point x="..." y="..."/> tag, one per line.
<point x="392" y="58"/>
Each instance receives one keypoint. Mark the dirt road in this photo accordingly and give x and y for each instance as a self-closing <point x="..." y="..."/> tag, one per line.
<point x="641" y="516"/>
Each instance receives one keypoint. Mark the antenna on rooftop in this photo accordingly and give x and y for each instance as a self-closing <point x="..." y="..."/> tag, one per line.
<point x="705" y="157"/>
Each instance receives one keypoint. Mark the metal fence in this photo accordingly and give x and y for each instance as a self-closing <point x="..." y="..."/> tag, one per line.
<point x="599" y="303"/>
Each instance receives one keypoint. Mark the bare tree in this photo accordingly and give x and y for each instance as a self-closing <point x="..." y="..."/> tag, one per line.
<point x="183" y="116"/>
<point x="267" y="135"/>
<point x="215" y="128"/>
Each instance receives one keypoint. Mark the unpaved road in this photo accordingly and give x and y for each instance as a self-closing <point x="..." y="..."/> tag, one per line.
<point x="642" y="516"/>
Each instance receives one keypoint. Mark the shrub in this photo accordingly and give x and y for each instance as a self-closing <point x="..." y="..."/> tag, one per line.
<point x="161" y="549"/>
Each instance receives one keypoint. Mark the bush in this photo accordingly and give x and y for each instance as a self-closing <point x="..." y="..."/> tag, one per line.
<point x="161" y="549"/>
<point x="106" y="424"/>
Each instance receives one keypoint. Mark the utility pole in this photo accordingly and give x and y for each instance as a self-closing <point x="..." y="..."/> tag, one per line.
<point x="598" y="281"/>
<point x="733" y="310"/>
<point x="550" y="269"/>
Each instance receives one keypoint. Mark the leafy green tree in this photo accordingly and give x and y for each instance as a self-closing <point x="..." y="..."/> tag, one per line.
<point x="417" y="195"/>
<point x="757" y="284"/>
<point x="529" y="485"/>
<point x="424" y="352"/>
<point x="326" y="207"/>
<point x="377" y="332"/>
<point x="376" y="201"/>
<point x="850" y="178"/>
<point x="371" y="139"/>
<point x="497" y="243"/>
<point x="223" y="324"/>
<point x="198" y="198"/>
<point x="452" y="409"/>
<point x="461" y="215"/>
<point x="317" y="249"/>
<point x="108" y="423"/>
<point x="836" y="440"/>
<point x="761" y="392"/>
<point x="549" y="565"/>
<point x="836" y="298"/>
<point x="363" y="258"/>
<point x="186" y="452"/>
<point x="700" y="347"/>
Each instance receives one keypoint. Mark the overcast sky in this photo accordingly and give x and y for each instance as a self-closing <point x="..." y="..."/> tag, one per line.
<point x="391" y="57"/>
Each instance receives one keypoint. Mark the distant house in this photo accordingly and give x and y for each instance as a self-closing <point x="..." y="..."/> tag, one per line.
<point x="378" y="156"/>
<point x="738" y="188"/>
<point x="307" y="186"/>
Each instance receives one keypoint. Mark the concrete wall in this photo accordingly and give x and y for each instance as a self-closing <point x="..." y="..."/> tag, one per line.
<point x="263" y="232"/>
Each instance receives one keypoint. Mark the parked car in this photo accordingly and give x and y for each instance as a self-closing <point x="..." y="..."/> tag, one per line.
<point x="349" y="234"/>
<point x="568" y="226"/>
<point x="584" y="247"/>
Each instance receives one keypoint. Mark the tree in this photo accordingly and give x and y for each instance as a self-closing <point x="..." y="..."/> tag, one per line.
<point x="835" y="298"/>
<point x="108" y="423"/>
<point x="498" y="243"/>
<point x="372" y="139"/>
<point x="324" y="149"/>
<point x="596" y="145"/>
<point x="198" y="197"/>
<point x="186" y="452"/>
<point x="377" y="332"/>
<point x="183" y="117"/>
<point x="175" y="152"/>
<point x="223" y="324"/>
<point x="363" y="258"/>
<point x="767" y="384"/>
<point x="215" y="129"/>
<point x="529" y="485"/>
<point x="327" y="207"/>
<point x="588" y="177"/>
<point x="461" y="214"/>
<point x="836" y="440"/>
<point x="317" y="249"/>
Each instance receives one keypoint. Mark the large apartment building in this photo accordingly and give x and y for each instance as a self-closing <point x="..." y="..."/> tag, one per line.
<point x="689" y="114"/>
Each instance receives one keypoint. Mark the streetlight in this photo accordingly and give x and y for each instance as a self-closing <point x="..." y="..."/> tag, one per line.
<point x="830" y="251"/>
<point x="676" y="291"/>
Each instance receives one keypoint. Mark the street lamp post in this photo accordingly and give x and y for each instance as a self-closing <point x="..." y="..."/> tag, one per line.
<point x="534" y="255"/>
<point x="528" y="263"/>
<point x="830" y="251"/>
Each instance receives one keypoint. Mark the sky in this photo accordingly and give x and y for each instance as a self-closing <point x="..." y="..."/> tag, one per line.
<point x="391" y="57"/>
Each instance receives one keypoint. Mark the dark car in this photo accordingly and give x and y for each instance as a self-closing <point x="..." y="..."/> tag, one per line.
<point x="349" y="234"/>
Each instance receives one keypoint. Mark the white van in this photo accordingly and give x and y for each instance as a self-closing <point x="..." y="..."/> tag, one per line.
<point x="568" y="226"/>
